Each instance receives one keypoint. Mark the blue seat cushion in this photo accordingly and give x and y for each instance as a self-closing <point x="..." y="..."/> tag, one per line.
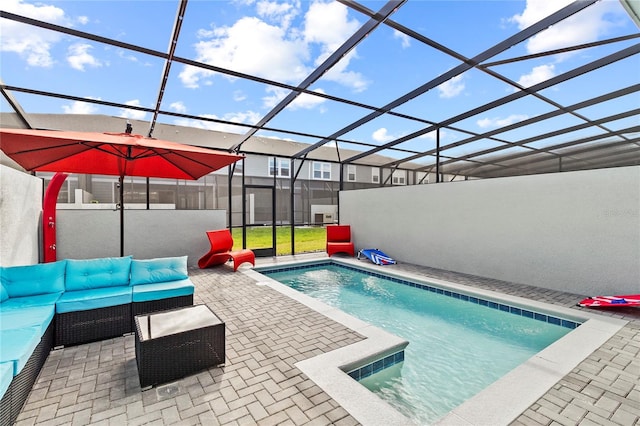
<point x="84" y="300"/>
<point x="6" y="376"/>
<point x="146" y="292"/>
<point x="48" y="299"/>
<point x="17" y="345"/>
<point x="30" y="280"/>
<point x="35" y="316"/>
<point x="159" y="270"/>
<point x="86" y="274"/>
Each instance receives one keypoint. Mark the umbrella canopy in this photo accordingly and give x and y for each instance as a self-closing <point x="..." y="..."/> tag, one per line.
<point x="118" y="154"/>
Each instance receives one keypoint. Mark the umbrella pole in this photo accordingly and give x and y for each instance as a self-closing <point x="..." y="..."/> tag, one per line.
<point x="121" y="180"/>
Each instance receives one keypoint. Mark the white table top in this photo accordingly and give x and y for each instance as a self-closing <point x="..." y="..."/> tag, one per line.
<point x="160" y="324"/>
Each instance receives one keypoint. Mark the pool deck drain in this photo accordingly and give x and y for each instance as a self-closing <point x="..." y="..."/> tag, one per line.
<point x="268" y="334"/>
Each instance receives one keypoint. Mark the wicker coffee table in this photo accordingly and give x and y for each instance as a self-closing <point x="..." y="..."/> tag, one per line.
<point x="177" y="343"/>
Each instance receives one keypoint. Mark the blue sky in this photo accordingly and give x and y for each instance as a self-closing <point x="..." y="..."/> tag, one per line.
<point x="284" y="40"/>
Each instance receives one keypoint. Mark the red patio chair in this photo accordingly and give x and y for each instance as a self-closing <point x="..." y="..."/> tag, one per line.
<point x="339" y="240"/>
<point x="220" y="252"/>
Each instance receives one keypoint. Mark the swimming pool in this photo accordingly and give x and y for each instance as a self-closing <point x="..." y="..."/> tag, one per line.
<point x="459" y="343"/>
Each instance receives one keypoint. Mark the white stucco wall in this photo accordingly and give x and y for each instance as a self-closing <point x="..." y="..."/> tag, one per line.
<point x="85" y="234"/>
<point x="20" y="213"/>
<point x="576" y="231"/>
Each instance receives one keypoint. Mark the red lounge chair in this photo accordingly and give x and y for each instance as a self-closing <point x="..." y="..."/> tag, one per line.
<point x="339" y="240"/>
<point x="220" y="252"/>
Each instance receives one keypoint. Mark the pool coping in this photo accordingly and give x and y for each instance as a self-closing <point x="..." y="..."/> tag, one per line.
<point x="328" y="370"/>
<point x="500" y="403"/>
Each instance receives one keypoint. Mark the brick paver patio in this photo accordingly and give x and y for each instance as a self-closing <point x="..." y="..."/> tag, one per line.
<point x="267" y="333"/>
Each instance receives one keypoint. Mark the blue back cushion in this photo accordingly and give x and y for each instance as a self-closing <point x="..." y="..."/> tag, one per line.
<point x="3" y="293"/>
<point x="32" y="280"/>
<point x="149" y="271"/>
<point x="86" y="274"/>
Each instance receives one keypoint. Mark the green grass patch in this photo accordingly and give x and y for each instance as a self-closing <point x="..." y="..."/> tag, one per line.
<point x="307" y="238"/>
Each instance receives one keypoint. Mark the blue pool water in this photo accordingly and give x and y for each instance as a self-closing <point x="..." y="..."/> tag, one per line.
<point x="457" y="347"/>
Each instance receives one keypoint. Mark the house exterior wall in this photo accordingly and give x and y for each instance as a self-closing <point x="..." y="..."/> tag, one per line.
<point x="258" y="166"/>
<point x="20" y="216"/>
<point x="576" y="231"/>
<point x="211" y="191"/>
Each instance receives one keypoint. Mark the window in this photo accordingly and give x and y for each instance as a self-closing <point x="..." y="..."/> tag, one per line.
<point x="399" y="177"/>
<point x="279" y="167"/>
<point x="375" y="175"/>
<point x="351" y="173"/>
<point x="321" y="171"/>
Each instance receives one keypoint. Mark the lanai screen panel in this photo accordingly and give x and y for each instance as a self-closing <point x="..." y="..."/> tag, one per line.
<point x="509" y="89"/>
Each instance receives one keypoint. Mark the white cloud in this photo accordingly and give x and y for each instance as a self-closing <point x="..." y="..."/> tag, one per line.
<point x="79" y="107"/>
<point x="247" y="117"/>
<point x="191" y="76"/>
<point x="32" y="44"/>
<point x="281" y="13"/>
<point x="382" y="135"/>
<point x="82" y="20"/>
<point x="274" y="95"/>
<point x="302" y="101"/>
<point x="452" y="87"/>
<point x="272" y="9"/>
<point x="501" y="122"/>
<point x="250" y="46"/>
<point x="269" y="46"/>
<point x="78" y="56"/>
<point x="588" y="25"/>
<point x="537" y="75"/>
<point x="178" y="107"/>
<point x="328" y="25"/>
<point x="585" y="26"/>
<point x="432" y="136"/>
<point x="239" y="96"/>
<point x="125" y="54"/>
<point x="339" y="74"/>
<point x="535" y="10"/>
<point x="306" y="101"/>
<point x="404" y="39"/>
<point x="133" y="113"/>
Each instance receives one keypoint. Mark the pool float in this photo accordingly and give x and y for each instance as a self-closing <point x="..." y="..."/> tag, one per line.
<point x="376" y="256"/>
<point x="611" y="301"/>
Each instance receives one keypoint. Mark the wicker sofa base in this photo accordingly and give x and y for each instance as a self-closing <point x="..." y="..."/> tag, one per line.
<point x="73" y="328"/>
<point x="6" y="417"/>
<point x="21" y="385"/>
<point x="141" y="308"/>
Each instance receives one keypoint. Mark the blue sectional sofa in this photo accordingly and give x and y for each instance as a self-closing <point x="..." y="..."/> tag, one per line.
<point x="70" y="302"/>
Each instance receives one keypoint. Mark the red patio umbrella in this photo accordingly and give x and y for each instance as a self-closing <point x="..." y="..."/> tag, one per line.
<point x="117" y="154"/>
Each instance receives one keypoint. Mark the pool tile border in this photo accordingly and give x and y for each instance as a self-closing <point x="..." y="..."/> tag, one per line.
<point x="376" y="366"/>
<point x="461" y="296"/>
